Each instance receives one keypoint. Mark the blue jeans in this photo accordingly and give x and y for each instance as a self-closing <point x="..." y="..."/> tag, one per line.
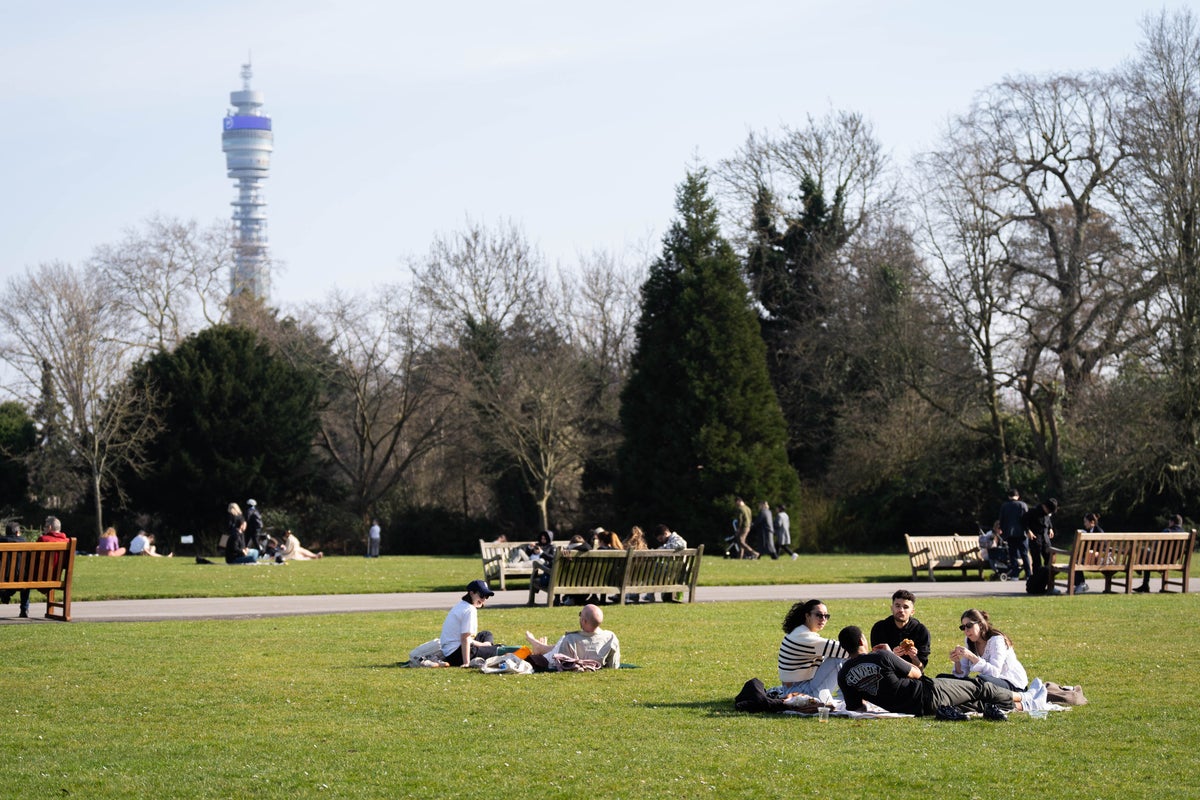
<point x="251" y="557"/>
<point x="824" y="678"/>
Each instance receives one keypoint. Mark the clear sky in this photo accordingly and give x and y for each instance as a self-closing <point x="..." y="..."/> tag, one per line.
<point x="395" y="120"/>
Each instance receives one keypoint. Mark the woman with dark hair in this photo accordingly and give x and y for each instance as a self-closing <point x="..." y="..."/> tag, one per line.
<point x="461" y="639"/>
<point x="988" y="652"/>
<point x="809" y="662"/>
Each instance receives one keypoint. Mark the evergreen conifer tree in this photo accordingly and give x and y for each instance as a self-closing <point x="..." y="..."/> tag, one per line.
<point x="701" y="422"/>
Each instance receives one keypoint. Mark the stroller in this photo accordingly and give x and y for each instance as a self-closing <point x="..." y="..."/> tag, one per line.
<point x="995" y="552"/>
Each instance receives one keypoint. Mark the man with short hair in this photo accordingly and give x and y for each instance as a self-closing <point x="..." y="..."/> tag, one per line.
<point x="895" y="685"/>
<point x="589" y="648"/>
<point x="1012" y="512"/>
<point x="902" y="625"/>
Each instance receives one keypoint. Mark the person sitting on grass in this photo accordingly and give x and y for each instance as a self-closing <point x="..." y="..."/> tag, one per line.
<point x="462" y="641"/>
<point x="808" y="662"/>
<point x="988" y="652"/>
<point x="902" y="632"/>
<point x="108" y="545"/>
<point x="589" y="648"/>
<point x="143" y="545"/>
<point x="291" y="550"/>
<point x="891" y="683"/>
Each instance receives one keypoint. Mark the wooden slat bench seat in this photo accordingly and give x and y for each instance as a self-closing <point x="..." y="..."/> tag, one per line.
<point x="47" y="566"/>
<point x="620" y="572"/>
<point x="930" y="553"/>
<point x="1118" y="557"/>
<point x="498" y="564"/>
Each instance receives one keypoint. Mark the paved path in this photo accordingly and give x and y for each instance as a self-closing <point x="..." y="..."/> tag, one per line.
<point x="253" y="607"/>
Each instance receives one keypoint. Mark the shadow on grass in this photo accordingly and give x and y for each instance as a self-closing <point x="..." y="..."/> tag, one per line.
<point x="712" y="707"/>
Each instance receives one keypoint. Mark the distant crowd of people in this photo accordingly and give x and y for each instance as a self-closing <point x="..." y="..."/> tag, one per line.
<point x="246" y="541"/>
<point x="1020" y="543"/>
<point x="542" y="551"/>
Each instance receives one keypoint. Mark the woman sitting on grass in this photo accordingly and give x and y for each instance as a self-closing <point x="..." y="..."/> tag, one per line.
<point x="107" y="544"/>
<point x="291" y="550"/>
<point x="988" y="652"/>
<point x="808" y="662"/>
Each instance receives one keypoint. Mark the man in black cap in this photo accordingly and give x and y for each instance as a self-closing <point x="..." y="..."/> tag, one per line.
<point x="462" y="641"/>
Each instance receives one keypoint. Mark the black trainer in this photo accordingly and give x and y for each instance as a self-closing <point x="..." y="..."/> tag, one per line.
<point x="994" y="713"/>
<point x="951" y="714"/>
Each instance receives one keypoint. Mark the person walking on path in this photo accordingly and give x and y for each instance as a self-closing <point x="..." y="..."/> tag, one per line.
<point x="783" y="531"/>
<point x="743" y="531"/>
<point x="766" y="530"/>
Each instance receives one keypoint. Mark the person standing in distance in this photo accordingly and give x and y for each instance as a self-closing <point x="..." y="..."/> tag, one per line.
<point x="1040" y="524"/>
<point x="373" y="537"/>
<point x="1012" y="515"/>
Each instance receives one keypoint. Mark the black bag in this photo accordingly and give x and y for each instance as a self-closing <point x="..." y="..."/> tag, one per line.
<point x="753" y="698"/>
<point x="1038" y="581"/>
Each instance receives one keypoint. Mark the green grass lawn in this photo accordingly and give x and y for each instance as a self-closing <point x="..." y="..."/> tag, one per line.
<point x="99" y="578"/>
<point x="316" y="707"/>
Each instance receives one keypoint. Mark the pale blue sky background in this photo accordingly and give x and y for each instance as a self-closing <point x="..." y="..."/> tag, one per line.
<point x="397" y="120"/>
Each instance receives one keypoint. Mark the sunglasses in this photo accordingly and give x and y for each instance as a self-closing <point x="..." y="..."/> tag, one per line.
<point x="819" y="615"/>
<point x="968" y="625"/>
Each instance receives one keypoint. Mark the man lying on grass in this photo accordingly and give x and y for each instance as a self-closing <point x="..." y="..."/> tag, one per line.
<point x="587" y="649"/>
<point x="894" y="684"/>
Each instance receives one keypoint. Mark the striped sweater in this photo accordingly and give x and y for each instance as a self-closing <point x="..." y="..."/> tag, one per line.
<point x="802" y="651"/>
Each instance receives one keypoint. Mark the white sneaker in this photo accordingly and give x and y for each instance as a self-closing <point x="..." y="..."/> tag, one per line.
<point x="794" y="556"/>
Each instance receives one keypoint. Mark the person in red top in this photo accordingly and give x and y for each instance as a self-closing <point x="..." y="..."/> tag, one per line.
<point x="52" y="531"/>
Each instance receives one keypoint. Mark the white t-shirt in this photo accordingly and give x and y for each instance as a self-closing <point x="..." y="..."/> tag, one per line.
<point x="138" y="545"/>
<point x="374" y="532"/>
<point x="463" y="618"/>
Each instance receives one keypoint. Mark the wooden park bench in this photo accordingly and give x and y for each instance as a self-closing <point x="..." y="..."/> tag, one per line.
<point x="619" y="572"/>
<point x="1120" y="556"/>
<point x="929" y="553"/>
<point x="496" y="563"/>
<point x="46" y="566"/>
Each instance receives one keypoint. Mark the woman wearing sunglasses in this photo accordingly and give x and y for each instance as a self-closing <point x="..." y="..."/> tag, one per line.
<point x="987" y="652"/>
<point x="808" y="662"/>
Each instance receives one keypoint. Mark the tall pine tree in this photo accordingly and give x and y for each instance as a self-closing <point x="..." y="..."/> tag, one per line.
<point x="701" y="422"/>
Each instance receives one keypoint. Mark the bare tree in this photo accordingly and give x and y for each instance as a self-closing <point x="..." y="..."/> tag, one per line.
<point x="505" y="352"/>
<point x="1159" y="194"/>
<point x="482" y="276"/>
<point x="838" y="152"/>
<point x="169" y="276"/>
<point x="964" y="274"/>
<point x="1049" y="154"/>
<point x="384" y="410"/>
<point x="68" y="324"/>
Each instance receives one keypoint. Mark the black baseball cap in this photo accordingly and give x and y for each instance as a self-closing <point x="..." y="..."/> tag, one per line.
<point x="480" y="588"/>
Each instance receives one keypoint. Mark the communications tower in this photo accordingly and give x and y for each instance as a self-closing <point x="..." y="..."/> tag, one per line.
<point x="247" y="141"/>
